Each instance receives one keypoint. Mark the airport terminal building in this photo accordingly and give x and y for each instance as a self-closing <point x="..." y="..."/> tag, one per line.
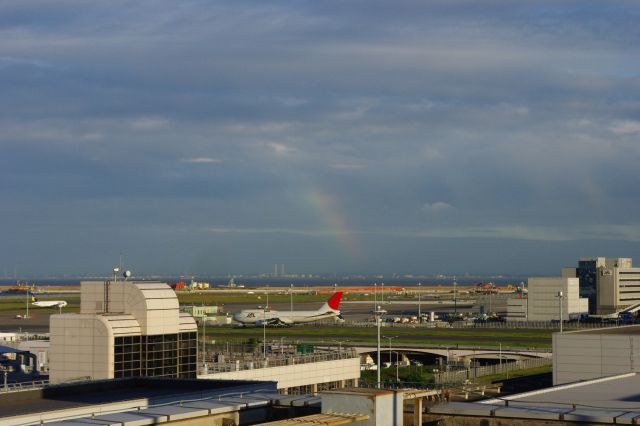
<point x="124" y="329"/>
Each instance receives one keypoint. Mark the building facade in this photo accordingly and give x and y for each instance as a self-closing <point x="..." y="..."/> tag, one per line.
<point x="124" y="329"/>
<point x="610" y="284"/>
<point x="543" y="303"/>
<point x="517" y="309"/>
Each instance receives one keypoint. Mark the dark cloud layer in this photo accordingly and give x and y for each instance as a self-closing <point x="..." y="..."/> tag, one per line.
<point x="221" y="137"/>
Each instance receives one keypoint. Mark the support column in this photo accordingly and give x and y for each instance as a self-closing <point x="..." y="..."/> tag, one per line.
<point x="342" y="383"/>
<point x="417" y="412"/>
<point x="314" y="388"/>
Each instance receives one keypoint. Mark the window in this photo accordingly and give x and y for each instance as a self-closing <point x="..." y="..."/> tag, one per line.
<point x="168" y="355"/>
<point x="127" y="358"/>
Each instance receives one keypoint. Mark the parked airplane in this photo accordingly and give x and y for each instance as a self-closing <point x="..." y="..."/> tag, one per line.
<point x="47" y="303"/>
<point x="260" y="317"/>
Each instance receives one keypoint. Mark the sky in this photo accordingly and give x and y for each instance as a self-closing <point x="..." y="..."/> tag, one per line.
<point x="212" y="137"/>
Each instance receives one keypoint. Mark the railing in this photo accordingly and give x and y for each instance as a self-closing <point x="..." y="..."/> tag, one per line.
<point x="276" y="360"/>
<point x="460" y="376"/>
<point x="23" y="386"/>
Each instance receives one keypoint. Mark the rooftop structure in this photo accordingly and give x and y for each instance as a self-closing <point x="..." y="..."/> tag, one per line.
<point x="611" y="400"/>
<point x="142" y="401"/>
<point x="293" y="372"/>
<point x="124" y="329"/>
<point x="134" y="401"/>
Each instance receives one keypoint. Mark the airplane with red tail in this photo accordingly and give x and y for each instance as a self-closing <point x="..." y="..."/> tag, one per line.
<point x="266" y="317"/>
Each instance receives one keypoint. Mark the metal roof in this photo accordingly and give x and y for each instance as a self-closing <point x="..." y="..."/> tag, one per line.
<point x="606" y="400"/>
<point x="181" y="410"/>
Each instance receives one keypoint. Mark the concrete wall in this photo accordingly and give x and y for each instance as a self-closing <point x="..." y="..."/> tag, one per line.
<point x="568" y="273"/>
<point x="154" y="305"/>
<point x="587" y="355"/>
<point x="289" y="376"/>
<point x="80" y="346"/>
<point x="384" y="407"/>
<point x="543" y="303"/>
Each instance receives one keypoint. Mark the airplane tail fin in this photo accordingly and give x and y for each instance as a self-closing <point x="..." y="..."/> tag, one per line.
<point x="334" y="302"/>
<point x="33" y="296"/>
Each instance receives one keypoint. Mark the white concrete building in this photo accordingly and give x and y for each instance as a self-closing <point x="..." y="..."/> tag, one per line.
<point x="123" y="329"/>
<point x="611" y="284"/>
<point x="544" y="303"/>
<point x="590" y="354"/>
<point x="342" y="372"/>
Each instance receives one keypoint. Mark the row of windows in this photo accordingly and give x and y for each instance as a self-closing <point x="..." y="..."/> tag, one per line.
<point x="169" y="355"/>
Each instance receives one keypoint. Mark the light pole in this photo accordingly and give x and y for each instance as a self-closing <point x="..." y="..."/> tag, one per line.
<point x="382" y="297"/>
<point x="560" y="297"/>
<point x="390" y="353"/>
<point x="204" y="338"/>
<point x="264" y="327"/>
<point x="397" y="366"/>
<point x="291" y="293"/>
<point x="264" y="333"/>
<point x="375" y="296"/>
<point x="378" y="314"/>
<point x="419" y="304"/>
<point x="455" y="297"/>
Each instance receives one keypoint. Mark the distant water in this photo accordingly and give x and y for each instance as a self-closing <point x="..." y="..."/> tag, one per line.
<point x="297" y="282"/>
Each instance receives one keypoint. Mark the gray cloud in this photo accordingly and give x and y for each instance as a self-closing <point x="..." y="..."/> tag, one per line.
<point x="172" y="118"/>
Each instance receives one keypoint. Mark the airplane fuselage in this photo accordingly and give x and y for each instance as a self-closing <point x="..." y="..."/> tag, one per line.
<point x="268" y="317"/>
<point x="49" y="304"/>
<point x="259" y="316"/>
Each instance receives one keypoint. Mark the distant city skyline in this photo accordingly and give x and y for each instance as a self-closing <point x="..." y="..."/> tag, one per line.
<point x="352" y="137"/>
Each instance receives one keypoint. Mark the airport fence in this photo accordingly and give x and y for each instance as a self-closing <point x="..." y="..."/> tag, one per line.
<point x="470" y="374"/>
<point x="568" y="325"/>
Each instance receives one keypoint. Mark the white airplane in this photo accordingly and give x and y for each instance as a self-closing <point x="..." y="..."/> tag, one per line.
<point x="260" y="317"/>
<point x="47" y="303"/>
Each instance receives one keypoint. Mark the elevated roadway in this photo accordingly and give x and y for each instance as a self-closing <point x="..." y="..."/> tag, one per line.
<point x="457" y="351"/>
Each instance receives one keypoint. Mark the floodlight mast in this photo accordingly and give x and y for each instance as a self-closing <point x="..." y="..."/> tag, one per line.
<point x="378" y="316"/>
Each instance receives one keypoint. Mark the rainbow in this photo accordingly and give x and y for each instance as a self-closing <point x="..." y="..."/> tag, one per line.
<point x="327" y="207"/>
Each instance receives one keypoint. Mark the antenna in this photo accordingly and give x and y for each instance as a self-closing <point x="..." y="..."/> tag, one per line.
<point x="107" y="284"/>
